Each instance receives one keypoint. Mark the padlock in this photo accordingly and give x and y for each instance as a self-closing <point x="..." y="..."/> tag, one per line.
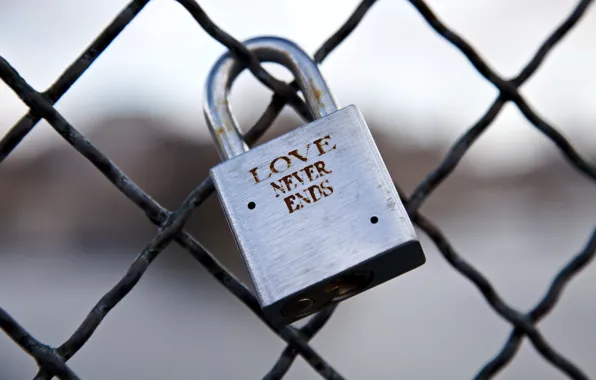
<point x="314" y="212"/>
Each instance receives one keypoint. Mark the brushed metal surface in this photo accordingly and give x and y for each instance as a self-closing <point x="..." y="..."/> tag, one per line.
<point x="287" y="252"/>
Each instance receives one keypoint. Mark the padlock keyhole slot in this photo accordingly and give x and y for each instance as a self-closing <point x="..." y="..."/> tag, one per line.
<point x="348" y="285"/>
<point x="336" y="290"/>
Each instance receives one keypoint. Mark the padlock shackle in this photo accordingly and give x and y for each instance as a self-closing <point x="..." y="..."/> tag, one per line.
<point x="216" y="107"/>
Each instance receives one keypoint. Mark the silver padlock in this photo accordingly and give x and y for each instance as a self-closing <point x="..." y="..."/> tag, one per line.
<point x="314" y="212"/>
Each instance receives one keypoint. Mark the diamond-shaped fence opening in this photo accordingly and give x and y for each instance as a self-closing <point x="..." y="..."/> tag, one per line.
<point x="53" y="361"/>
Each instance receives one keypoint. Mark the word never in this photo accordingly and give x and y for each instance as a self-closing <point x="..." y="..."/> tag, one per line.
<point x="301" y="177"/>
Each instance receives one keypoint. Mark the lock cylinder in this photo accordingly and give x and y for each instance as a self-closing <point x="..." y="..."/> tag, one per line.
<point x="348" y="285"/>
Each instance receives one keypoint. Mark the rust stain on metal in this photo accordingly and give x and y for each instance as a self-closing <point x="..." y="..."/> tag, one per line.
<point x="223" y="130"/>
<point x="318" y="94"/>
<point x="220" y="132"/>
<point x="223" y="102"/>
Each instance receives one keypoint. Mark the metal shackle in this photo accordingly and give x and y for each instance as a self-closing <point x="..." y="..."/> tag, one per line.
<point x="216" y="107"/>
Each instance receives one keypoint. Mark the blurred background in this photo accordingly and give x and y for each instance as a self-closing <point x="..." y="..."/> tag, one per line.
<point x="514" y="208"/>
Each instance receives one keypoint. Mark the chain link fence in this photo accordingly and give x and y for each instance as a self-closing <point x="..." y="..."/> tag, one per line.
<point x="52" y="360"/>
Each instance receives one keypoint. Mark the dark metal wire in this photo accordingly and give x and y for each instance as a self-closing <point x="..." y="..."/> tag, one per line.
<point x="52" y="362"/>
<point x="545" y="306"/>
<point x="463" y="144"/>
<point x="71" y="74"/>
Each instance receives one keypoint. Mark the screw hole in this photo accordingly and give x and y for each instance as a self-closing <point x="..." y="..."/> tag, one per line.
<point x="251" y="205"/>
<point x="374" y="220"/>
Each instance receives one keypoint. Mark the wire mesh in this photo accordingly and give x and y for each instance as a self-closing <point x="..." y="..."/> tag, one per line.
<point x="52" y="360"/>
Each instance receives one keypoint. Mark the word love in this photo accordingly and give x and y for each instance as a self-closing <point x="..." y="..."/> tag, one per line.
<point x="303" y="178"/>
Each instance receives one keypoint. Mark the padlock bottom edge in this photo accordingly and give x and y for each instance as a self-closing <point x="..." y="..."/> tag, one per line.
<point x="380" y="269"/>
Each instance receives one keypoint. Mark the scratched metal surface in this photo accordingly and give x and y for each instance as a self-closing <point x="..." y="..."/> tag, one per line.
<point x="288" y="248"/>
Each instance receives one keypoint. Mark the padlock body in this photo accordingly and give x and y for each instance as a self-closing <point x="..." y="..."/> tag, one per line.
<point x="316" y="216"/>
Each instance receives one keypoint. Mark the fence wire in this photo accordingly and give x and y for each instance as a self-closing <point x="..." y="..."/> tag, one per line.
<point x="52" y="360"/>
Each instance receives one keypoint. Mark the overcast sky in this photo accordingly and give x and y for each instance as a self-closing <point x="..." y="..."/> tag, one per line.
<point x="394" y="65"/>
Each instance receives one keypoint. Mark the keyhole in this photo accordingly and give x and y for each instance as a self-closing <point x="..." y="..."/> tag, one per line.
<point x="297" y="307"/>
<point x="348" y="285"/>
<point x="251" y="205"/>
